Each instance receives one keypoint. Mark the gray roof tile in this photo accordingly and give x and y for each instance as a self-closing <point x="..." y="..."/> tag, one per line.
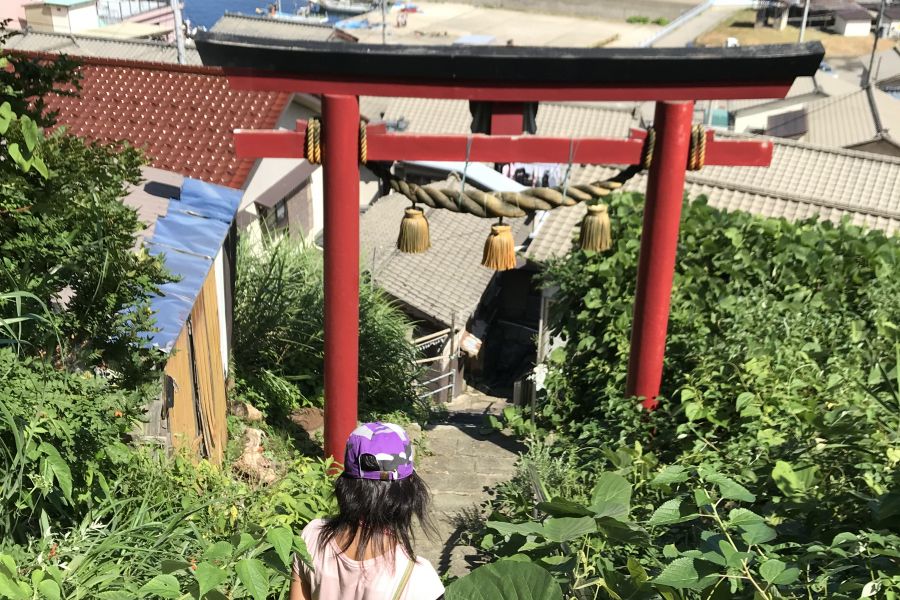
<point x="81" y="45"/>
<point x="802" y="181"/>
<point x="445" y="281"/>
<point x="265" y="27"/>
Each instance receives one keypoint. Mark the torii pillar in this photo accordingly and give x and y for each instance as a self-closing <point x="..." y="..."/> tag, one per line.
<point x="505" y="77"/>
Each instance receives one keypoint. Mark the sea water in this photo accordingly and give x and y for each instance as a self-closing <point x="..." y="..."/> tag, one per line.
<point x="204" y="13"/>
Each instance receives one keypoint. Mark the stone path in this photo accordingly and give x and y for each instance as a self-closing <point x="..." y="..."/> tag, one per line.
<point x="464" y="458"/>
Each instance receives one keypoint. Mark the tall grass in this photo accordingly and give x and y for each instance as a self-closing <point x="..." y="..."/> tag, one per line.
<point x="279" y="323"/>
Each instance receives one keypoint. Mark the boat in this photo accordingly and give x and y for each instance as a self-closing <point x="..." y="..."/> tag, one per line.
<point x="307" y="19"/>
<point x="347" y="7"/>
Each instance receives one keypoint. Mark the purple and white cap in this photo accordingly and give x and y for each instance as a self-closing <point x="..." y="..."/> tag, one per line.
<point x="381" y="451"/>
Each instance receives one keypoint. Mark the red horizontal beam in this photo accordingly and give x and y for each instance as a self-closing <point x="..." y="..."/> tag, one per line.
<point x="481" y="91"/>
<point x="503" y="148"/>
<point x="385" y="146"/>
<point x="271" y="143"/>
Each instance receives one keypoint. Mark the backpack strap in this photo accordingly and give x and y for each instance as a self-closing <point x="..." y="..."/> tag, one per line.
<point x="404" y="580"/>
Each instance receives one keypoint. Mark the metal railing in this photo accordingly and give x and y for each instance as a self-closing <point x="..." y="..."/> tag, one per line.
<point x="694" y="12"/>
<point x="116" y="11"/>
<point x="451" y="374"/>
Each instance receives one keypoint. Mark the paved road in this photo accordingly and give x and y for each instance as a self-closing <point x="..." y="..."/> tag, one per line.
<point x="464" y="460"/>
<point x="608" y="9"/>
<point x="692" y="29"/>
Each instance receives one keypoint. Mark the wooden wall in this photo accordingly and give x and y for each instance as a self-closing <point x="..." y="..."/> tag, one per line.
<point x="197" y="410"/>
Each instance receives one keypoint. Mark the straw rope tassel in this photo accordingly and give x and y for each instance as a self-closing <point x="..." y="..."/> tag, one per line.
<point x="500" y="249"/>
<point x="596" y="234"/>
<point x="414" y="236"/>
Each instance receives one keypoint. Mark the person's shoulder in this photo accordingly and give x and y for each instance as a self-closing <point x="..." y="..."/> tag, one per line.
<point x="312" y="530"/>
<point x="427" y="581"/>
<point x="314" y="525"/>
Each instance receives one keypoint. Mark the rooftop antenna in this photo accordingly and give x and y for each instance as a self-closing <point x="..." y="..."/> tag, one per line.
<point x="803" y="22"/>
<point x="868" y="79"/>
<point x="179" y="32"/>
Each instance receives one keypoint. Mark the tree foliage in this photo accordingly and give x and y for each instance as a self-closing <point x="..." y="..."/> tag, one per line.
<point x="65" y="235"/>
<point x="772" y="467"/>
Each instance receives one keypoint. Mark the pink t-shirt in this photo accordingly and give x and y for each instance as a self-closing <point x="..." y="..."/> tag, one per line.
<point x="336" y="577"/>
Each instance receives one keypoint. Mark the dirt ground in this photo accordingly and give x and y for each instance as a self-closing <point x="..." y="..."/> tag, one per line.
<point x="443" y="22"/>
<point x="596" y="9"/>
<point x="740" y="26"/>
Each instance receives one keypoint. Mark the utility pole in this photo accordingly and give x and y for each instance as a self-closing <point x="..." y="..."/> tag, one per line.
<point x="179" y="32"/>
<point x="803" y="23"/>
<point x="383" y="22"/>
<point x="878" y="23"/>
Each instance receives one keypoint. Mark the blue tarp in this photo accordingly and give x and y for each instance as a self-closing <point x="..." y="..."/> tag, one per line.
<point x="188" y="237"/>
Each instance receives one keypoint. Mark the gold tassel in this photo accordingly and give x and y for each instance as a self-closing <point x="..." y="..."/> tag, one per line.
<point x="595" y="229"/>
<point x="500" y="249"/>
<point x="414" y="237"/>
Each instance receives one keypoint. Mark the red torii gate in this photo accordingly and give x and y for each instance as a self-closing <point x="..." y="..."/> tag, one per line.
<point x="505" y="77"/>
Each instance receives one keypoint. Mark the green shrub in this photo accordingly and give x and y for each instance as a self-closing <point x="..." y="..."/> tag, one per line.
<point x="87" y="516"/>
<point x="59" y="435"/>
<point x="662" y="21"/>
<point x="278" y="332"/>
<point x="66" y="238"/>
<point x="638" y="19"/>
<point x="780" y="397"/>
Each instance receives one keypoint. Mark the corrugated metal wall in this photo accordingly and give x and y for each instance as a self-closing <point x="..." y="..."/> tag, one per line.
<point x="197" y="410"/>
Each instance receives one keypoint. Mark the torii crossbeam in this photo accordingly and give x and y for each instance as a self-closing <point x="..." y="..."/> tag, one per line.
<point x="506" y="77"/>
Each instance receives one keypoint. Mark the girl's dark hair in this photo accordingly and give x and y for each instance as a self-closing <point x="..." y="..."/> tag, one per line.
<point x="379" y="513"/>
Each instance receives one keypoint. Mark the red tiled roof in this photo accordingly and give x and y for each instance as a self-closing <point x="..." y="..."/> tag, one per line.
<point x="182" y="116"/>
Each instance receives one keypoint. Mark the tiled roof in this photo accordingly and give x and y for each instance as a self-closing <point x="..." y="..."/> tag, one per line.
<point x="81" y="45"/>
<point x="445" y="281"/>
<point x="279" y="29"/>
<point x="452" y="116"/>
<point x="183" y="117"/>
<point x="841" y="121"/>
<point x="802" y="181"/>
<point x="852" y="119"/>
<point x="820" y="85"/>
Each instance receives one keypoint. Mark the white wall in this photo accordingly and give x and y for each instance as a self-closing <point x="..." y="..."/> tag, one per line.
<point x="852" y="28"/>
<point x="744" y="123"/>
<point x="61" y="19"/>
<point x="83" y="17"/>
<point x="219" y="266"/>
<point x="271" y="170"/>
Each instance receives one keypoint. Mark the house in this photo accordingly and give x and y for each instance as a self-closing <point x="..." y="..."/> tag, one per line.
<point x="752" y="116"/>
<point x="803" y="181"/>
<point x="158" y="13"/>
<point x="191" y="225"/>
<point x="182" y="116"/>
<point x="486" y="322"/>
<point x="289" y="191"/>
<point x="891" y="23"/>
<point x="866" y="120"/>
<point x="267" y="27"/>
<point x="447" y="291"/>
<point x="886" y="72"/>
<point x="852" y="21"/>
<point x="140" y="50"/>
<point x="62" y="16"/>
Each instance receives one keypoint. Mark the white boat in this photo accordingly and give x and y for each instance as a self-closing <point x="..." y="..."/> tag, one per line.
<point x="301" y="18"/>
<point x="346" y="7"/>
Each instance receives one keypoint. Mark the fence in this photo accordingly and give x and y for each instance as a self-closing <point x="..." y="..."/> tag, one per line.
<point x="693" y="13"/>
<point x="116" y="11"/>
<point x="440" y="370"/>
